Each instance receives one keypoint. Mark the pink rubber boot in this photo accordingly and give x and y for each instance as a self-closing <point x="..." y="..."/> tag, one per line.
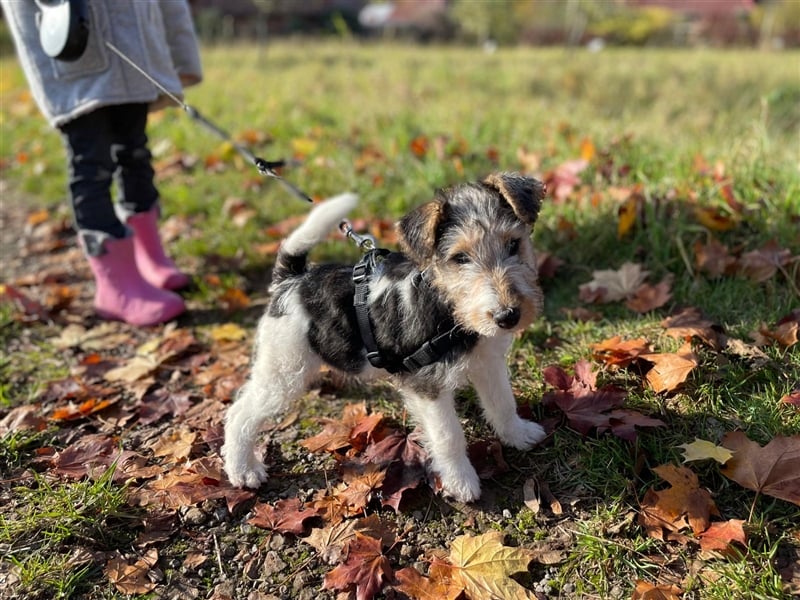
<point x="154" y="265"/>
<point x="122" y="293"/>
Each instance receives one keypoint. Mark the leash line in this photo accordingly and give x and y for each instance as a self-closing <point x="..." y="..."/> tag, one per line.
<point x="264" y="167"/>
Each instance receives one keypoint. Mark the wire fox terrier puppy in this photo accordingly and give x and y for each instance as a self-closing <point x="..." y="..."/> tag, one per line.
<point x="435" y="316"/>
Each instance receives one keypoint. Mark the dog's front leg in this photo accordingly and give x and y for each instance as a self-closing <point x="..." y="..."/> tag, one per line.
<point x="445" y="442"/>
<point x="489" y="375"/>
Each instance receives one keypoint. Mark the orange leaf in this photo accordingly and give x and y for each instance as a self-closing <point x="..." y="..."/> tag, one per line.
<point x="720" y="535"/>
<point x="616" y="352"/>
<point x="683" y="505"/>
<point x="588" y="151"/>
<point x="670" y="370"/>
<point x="419" y="146"/>
<point x="649" y="591"/>
<point x="713" y="219"/>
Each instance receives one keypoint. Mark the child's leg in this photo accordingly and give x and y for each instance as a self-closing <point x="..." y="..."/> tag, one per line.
<point x="120" y="290"/>
<point x="138" y="197"/>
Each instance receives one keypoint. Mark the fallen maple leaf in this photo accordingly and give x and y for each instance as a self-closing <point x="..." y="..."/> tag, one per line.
<point x="773" y="470"/>
<point x="792" y="399"/>
<point x="685" y="504"/>
<point x="578" y="396"/>
<point x="418" y="587"/>
<point x="670" y="369"/>
<point x="330" y="541"/>
<point x="762" y="264"/>
<point x="690" y="322"/>
<point x="227" y="332"/>
<point x="286" y="516"/>
<point x="617" y="352"/>
<point x="483" y="566"/>
<point x="366" y="568"/>
<point x="703" y="450"/>
<point x="650" y="297"/>
<point x="130" y="577"/>
<point x="719" y="536"/>
<point x="648" y="591"/>
<point x="175" y="445"/>
<point x="713" y="258"/>
<point x="611" y="286"/>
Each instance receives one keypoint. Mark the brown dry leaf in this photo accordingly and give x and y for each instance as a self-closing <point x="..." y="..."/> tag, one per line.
<point x="535" y="492"/>
<point x="773" y="470"/>
<point x="648" y="591"/>
<point x="721" y="534"/>
<point x="330" y="541"/>
<point x="366" y="568"/>
<point x="176" y="444"/>
<point x="619" y="353"/>
<point x="650" y="297"/>
<point x="785" y="333"/>
<point x="762" y="264"/>
<point x="336" y="434"/>
<point x="690" y="322"/>
<point x="713" y="258"/>
<point x="612" y="286"/>
<point x="286" y="516"/>
<point x="670" y="369"/>
<point x="130" y="577"/>
<point x="685" y="504"/>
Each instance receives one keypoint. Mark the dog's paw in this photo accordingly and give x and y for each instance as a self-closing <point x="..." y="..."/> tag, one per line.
<point x="463" y="485"/>
<point x="522" y="434"/>
<point x="251" y="477"/>
<point x="251" y="473"/>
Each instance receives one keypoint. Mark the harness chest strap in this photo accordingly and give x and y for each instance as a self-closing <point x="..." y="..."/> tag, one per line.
<point x="430" y="352"/>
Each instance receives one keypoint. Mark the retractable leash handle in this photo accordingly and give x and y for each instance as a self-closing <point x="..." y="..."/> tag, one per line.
<point x="63" y="28"/>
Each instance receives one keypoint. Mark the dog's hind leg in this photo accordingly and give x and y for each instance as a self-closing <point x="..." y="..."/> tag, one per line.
<point x="445" y="442"/>
<point x="282" y="368"/>
<point x="489" y="375"/>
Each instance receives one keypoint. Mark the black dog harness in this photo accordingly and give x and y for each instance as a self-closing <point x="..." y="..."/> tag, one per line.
<point x="430" y="352"/>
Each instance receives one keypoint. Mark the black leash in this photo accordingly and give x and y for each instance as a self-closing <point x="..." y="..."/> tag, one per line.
<point x="430" y="352"/>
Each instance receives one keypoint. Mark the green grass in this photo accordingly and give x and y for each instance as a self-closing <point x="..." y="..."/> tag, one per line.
<point x="649" y="114"/>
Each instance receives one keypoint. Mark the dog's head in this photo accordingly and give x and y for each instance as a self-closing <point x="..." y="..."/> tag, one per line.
<point x="473" y="241"/>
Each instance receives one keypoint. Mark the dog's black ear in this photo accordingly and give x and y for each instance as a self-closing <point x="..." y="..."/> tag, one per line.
<point x="523" y="194"/>
<point x="418" y="231"/>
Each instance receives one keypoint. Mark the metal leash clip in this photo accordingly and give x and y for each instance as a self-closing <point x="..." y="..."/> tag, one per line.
<point x="365" y="242"/>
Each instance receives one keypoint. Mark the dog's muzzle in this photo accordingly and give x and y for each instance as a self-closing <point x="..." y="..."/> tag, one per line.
<point x="506" y="318"/>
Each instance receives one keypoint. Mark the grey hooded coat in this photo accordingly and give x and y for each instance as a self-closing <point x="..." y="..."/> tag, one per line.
<point x="158" y="35"/>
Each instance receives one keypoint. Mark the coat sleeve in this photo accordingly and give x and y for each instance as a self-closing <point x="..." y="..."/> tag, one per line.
<point x="182" y="41"/>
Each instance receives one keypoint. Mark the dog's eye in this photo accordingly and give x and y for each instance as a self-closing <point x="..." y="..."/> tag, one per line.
<point x="513" y="247"/>
<point x="462" y="258"/>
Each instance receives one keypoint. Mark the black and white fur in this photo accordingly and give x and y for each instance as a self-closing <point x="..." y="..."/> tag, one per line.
<point x="466" y="259"/>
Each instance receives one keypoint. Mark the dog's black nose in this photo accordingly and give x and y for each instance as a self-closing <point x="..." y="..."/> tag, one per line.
<point x="507" y="317"/>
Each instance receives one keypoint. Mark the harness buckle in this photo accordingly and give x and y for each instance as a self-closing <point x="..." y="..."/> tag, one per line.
<point x="360" y="272"/>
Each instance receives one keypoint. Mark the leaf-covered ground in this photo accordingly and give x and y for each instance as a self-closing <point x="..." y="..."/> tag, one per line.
<point x="665" y="368"/>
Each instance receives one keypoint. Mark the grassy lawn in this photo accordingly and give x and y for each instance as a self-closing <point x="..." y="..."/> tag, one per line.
<point x="696" y="146"/>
